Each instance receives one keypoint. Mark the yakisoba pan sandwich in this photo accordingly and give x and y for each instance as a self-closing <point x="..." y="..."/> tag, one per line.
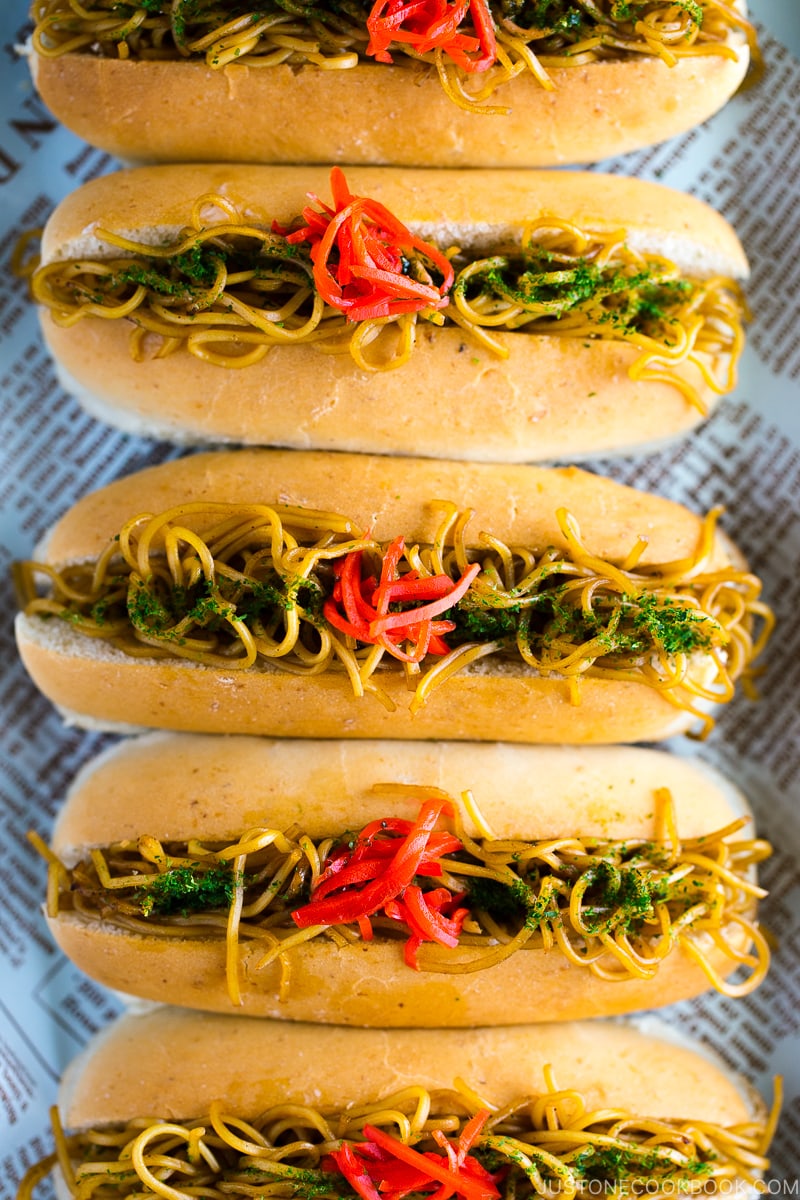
<point x="329" y="595"/>
<point x="405" y="884"/>
<point x="509" y="316"/>
<point x="179" y="1105"/>
<point x="431" y="83"/>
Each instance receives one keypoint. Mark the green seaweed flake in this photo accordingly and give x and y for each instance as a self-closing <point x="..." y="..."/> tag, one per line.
<point x="187" y="889"/>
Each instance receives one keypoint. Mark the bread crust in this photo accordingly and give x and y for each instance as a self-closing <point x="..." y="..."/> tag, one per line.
<point x="119" y="693"/>
<point x="161" y="111"/>
<point x="508" y="702"/>
<point x="174" y="1064"/>
<point x="477" y="212"/>
<point x="218" y="789"/>
<point x="391" y="496"/>
<point x="552" y="398"/>
<point x="368" y="983"/>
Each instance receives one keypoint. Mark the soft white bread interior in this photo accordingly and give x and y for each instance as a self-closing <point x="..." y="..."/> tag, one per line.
<point x="174" y="1064"/>
<point x="172" y="112"/>
<point x="505" y="701"/>
<point x="182" y="787"/>
<point x="552" y="398"/>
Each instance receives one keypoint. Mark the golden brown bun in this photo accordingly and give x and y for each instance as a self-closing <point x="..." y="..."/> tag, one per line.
<point x="221" y="786"/>
<point x="177" y="787"/>
<point x="160" y="111"/>
<point x="475" y="211"/>
<point x="508" y="702"/>
<point x="391" y="496"/>
<point x="552" y="398"/>
<point x="367" y="983"/>
<point x="97" y="687"/>
<point x="174" y="1064"/>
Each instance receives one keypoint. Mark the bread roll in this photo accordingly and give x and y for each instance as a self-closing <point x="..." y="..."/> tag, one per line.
<point x="570" y="388"/>
<point x="682" y="1119"/>
<point x="681" y="650"/>
<point x="176" y="788"/>
<point x="191" y="1059"/>
<point x="161" y="109"/>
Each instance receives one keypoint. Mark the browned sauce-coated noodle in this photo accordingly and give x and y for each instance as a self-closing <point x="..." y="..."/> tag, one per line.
<point x="544" y="1145"/>
<point x="229" y="289"/>
<point x="617" y="908"/>
<point x="531" y="37"/>
<point x="238" y="586"/>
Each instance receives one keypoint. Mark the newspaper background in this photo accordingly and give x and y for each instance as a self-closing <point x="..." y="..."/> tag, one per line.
<point x="746" y="162"/>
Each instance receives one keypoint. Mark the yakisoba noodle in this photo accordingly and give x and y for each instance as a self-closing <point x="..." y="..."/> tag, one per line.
<point x="228" y="291"/>
<point x="540" y="1145"/>
<point x="240" y="586"/>
<point x="616" y="908"/>
<point x="532" y="39"/>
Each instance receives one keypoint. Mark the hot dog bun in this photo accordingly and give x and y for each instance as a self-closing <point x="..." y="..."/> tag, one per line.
<point x="553" y="397"/>
<point x="188" y="1069"/>
<point x="187" y="112"/>
<point x="496" y="698"/>
<point x="178" y="787"/>
<point x="611" y="1064"/>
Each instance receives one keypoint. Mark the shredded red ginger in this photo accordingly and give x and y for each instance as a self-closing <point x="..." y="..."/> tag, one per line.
<point x="377" y="875"/>
<point x="360" y="252"/>
<point x="434" y="25"/>
<point x="359" y="606"/>
<point x="384" y="1168"/>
